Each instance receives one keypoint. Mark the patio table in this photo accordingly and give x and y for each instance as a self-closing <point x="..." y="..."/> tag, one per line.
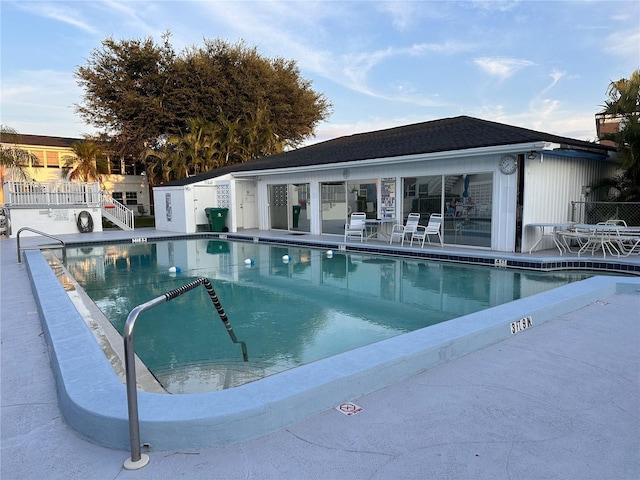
<point x="375" y="226"/>
<point x="541" y="229"/>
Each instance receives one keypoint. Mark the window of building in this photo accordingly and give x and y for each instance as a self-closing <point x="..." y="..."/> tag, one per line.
<point x="40" y="156"/>
<point x="115" y="165"/>
<point x="131" y="198"/>
<point x="117" y="196"/>
<point x="409" y="187"/>
<point x="464" y="200"/>
<point x="53" y="159"/>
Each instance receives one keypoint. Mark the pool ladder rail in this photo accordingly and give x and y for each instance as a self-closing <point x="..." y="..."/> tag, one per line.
<point x="40" y="247"/>
<point x="138" y="459"/>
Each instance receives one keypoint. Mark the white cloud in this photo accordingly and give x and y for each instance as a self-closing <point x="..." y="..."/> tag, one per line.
<point x="556" y="76"/>
<point x="403" y="14"/>
<point x="131" y="13"/>
<point x="624" y="44"/>
<point x="501" y="67"/>
<point x="287" y="31"/>
<point x="28" y="104"/>
<point x="495" y="5"/>
<point x="445" y="48"/>
<point x="61" y="13"/>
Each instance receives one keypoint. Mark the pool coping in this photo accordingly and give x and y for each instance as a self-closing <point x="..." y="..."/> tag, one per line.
<point x="97" y="409"/>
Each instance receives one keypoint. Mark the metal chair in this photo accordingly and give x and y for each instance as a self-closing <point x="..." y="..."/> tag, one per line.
<point x="434" y="227"/>
<point x="356" y="226"/>
<point x="401" y="232"/>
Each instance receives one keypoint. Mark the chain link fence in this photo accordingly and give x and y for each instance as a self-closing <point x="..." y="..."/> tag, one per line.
<point x="595" y="212"/>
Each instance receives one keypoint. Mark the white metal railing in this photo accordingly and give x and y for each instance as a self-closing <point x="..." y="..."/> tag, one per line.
<point x="52" y="193"/>
<point x="61" y="193"/>
<point x="116" y="212"/>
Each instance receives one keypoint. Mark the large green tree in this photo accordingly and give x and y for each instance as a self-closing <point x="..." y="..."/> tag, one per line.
<point x="624" y="103"/>
<point x="141" y="95"/>
<point x="14" y="161"/>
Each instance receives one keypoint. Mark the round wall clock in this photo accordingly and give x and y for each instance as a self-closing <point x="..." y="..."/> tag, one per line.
<point x="508" y="164"/>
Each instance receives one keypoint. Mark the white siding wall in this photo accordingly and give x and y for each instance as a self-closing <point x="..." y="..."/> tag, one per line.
<point x="204" y="196"/>
<point x="188" y="204"/>
<point x="551" y="184"/>
<point x="180" y="201"/>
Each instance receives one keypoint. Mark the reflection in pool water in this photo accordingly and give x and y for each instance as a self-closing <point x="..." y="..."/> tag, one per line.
<point x="289" y="310"/>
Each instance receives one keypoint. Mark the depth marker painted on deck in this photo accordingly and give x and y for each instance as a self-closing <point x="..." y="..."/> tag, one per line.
<point x="349" y="409"/>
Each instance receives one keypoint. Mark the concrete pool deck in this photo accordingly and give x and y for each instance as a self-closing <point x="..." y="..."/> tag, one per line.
<point x="560" y="400"/>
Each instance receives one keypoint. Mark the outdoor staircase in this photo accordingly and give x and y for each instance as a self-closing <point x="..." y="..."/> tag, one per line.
<point x="116" y="212"/>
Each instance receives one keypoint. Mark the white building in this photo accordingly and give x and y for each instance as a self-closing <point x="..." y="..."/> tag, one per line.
<point x="52" y="204"/>
<point x="489" y="180"/>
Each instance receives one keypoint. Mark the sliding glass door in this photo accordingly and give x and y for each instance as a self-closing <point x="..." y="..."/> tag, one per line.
<point x="333" y="207"/>
<point x="464" y="200"/>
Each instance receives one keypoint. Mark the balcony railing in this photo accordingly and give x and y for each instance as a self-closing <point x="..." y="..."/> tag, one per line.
<point x="17" y="194"/>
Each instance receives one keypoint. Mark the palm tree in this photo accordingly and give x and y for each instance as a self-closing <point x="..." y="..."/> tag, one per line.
<point x="14" y="161"/>
<point x="247" y="137"/>
<point x="204" y="146"/>
<point x="189" y="152"/>
<point x="624" y="102"/>
<point x="196" y="146"/>
<point x="88" y="164"/>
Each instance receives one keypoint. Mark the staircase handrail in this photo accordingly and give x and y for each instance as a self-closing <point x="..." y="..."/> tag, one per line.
<point x="116" y="209"/>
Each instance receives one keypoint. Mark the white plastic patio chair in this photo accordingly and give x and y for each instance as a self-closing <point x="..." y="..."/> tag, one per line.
<point x="434" y="227"/>
<point x="356" y="226"/>
<point x="402" y="232"/>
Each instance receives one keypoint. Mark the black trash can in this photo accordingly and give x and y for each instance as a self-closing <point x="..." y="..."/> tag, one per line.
<point x="217" y="218"/>
<point x="296" y="215"/>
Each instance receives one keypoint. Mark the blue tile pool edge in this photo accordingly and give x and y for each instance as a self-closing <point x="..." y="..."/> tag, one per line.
<point x="611" y="264"/>
<point x="93" y="400"/>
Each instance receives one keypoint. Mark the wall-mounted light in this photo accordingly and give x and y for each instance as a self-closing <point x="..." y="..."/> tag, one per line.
<point x="532" y="155"/>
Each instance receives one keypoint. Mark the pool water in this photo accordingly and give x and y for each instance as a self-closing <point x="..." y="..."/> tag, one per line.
<point x="290" y="305"/>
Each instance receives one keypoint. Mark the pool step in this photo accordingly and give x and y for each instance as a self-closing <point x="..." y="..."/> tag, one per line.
<point x="209" y="377"/>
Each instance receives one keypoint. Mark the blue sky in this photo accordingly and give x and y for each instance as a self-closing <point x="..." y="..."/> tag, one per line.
<point x="544" y="65"/>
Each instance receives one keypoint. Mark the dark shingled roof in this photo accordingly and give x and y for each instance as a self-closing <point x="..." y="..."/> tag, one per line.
<point x="449" y="134"/>
<point x="45" y="141"/>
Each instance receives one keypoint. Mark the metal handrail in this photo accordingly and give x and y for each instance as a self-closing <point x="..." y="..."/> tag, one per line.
<point x="64" y="249"/>
<point x="117" y="210"/>
<point x="137" y="459"/>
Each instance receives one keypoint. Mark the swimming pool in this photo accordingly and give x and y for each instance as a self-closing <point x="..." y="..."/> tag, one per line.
<point x="290" y="305"/>
<point x="92" y="398"/>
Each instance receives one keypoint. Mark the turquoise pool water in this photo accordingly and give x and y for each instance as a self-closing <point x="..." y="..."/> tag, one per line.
<point x="288" y="310"/>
